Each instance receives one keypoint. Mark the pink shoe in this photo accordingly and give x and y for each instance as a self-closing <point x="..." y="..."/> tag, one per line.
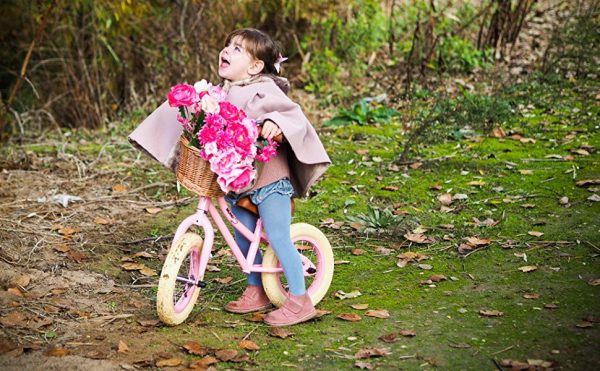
<point x="294" y="310"/>
<point x="252" y="299"/>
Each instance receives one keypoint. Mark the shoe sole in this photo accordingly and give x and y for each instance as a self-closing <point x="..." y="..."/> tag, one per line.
<point x="303" y="319"/>
<point x="244" y="311"/>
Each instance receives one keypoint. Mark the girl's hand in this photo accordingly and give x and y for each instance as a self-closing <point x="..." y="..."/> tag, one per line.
<point x="270" y="130"/>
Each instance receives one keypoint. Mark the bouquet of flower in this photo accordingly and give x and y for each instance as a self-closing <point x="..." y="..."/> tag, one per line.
<point x="226" y="138"/>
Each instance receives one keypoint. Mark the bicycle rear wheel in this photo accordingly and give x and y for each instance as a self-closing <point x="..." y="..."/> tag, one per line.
<point x="177" y="288"/>
<point x="317" y="263"/>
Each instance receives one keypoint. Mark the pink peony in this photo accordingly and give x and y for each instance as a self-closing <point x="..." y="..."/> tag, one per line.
<point x="237" y="179"/>
<point x="208" y="133"/>
<point x="268" y="151"/>
<point x="251" y="127"/>
<point x="217" y="93"/>
<point x="216" y="121"/>
<point x="209" y="104"/>
<point x="224" y="161"/>
<point x="229" y="111"/>
<point x="182" y="95"/>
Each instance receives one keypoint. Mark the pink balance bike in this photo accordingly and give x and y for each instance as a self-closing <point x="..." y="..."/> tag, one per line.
<point x="183" y="273"/>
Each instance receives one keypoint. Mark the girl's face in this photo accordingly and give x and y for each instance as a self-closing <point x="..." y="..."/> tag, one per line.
<point x="236" y="63"/>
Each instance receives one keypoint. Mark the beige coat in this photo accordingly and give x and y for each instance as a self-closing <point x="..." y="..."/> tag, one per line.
<point x="261" y="99"/>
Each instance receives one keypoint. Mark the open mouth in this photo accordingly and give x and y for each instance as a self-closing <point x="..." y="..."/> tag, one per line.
<point x="224" y="62"/>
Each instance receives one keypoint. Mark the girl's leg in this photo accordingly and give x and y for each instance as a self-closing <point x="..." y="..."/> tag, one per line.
<point x="275" y="212"/>
<point x="249" y="220"/>
<point x="254" y="297"/>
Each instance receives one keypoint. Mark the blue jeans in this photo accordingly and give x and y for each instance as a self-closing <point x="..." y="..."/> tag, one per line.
<point x="274" y="206"/>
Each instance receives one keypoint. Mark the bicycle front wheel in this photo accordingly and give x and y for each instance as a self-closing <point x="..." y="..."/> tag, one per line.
<point x="177" y="291"/>
<point x="317" y="263"/>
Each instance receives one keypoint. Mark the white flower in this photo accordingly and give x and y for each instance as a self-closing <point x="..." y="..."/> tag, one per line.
<point x="209" y="104"/>
<point x="202" y="85"/>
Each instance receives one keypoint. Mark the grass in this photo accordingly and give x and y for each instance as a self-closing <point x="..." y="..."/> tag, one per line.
<point x="448" y="313"/>
<point x="450" y="332"/>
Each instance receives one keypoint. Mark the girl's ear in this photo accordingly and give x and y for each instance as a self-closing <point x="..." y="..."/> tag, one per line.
<point x="256" y="67"/>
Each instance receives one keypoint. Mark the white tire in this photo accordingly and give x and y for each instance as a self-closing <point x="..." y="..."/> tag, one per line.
<point x="313" y="244"/>
<point x="188" y="246"/>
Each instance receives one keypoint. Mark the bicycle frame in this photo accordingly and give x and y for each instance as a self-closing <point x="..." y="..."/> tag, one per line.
<point x="200" y="218"/>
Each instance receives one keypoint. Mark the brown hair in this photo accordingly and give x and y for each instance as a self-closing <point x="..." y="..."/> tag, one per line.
<point x="260" y="46"/>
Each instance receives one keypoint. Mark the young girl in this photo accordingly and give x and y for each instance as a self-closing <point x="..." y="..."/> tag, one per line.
<point x="249" y="66"/>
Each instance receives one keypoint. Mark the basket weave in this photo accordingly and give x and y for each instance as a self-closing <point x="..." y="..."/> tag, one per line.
<point x="194" y="173"/>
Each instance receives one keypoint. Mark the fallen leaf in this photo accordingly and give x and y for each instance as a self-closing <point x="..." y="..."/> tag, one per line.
<point x="320" y="313"/>
<point x="491" y="313"/>
<point x="498" y="132"/>
<point x="364" y="365"/>
<point x="343" y="295"/>
<point x="68" y="231"/>
<point x="587" y="182"/>
<point x="550" y="306"/>
<point x="535" y="233"/>
<point x="194" y="347"/>
<point x="389" y="338"/>
<point x="226" y="354"/>
<point x="580" y="151"/>
<point x="170" y="362"/>
<point x="23" y="280"/>
<point x="594" y="282"/>
<point x="408" y="333"/>
<point x="101" y="220"/>
<point x="528" y="206"/>
<point x="149" y="322"/>
<point x="436" y="187"/>
<point x="57" y="352"/>
<point x="153" y="210"/>
<point x="416" y="237"/>
<point x="446" y="226"/>
<point x="338" y="262"/>
<point x="584" y="324"/>
<point x="349" y="317"/>
<point x="378" y="313"/>
<point x="15" y="291"/>
<point x="410" y="255"/>
<point x="359" y="306"/>
<point x="445" y="199"/>
<point x="248" y="345"/>
<point x="13" y="319"/>
<point x="594" y="198"/>
<point x="256" y="317"/>
<point x="358" y="251"/>
<point x="224" y="280"/>
<point x="460" y="197"/>
<point x="143" y="254"/>
<point x="390" y="188"/>
<point x="370" y="352"/>
<point x="280" y="332"/>
<point x="78" y="256"/>
<point x="526" y="172"/>
<point x="149" y="272"/>
<point x="438" y="278"/>
<point x="531" y="296"/>
<point x="204" y="363"/>
<point x="527" y="268"/>
<point x="477" y="242"/>
<point x="132" y="266"/>
<point x="476" y="183"/>
<point x="362" y="151"/>
<point x="119" y="188"/>
<point x="425" y="266"/>
<point x="122" y="347"/>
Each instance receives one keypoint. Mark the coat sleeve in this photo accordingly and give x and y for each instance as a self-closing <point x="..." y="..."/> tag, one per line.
<point x="296" y="128"/>
<point x="158" y="136"/>
<point x="309" y="160"/>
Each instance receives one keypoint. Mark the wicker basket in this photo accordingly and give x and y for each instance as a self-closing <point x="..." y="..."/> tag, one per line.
<point x="194" y="173"/>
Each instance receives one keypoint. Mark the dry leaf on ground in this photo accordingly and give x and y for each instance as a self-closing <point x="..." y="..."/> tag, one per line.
<point x="349" y="317"/>
<point x="248" y="345"/>
<point x="378" y="313"/>
<point x="370" y="352"/>
<point x="491" y="313"/>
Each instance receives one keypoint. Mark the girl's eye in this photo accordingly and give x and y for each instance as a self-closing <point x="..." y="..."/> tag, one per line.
<point x="237" y="49"/>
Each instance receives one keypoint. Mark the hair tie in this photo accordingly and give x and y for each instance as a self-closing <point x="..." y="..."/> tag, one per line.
<point x="278" y="62"/>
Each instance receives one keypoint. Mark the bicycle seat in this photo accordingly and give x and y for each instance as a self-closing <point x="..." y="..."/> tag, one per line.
<point x="247" y="204"/>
